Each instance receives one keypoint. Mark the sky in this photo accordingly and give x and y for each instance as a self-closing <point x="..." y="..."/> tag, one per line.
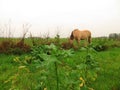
<point x="101" y="17"/>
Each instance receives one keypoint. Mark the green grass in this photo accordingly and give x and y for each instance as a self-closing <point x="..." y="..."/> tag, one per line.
<point x="109" y="74"/>
<point x="108" y="78"/>
<point x="7" y="68"/>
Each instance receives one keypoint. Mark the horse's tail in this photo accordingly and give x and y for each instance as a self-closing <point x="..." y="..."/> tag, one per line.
<point x="71" y="36"/>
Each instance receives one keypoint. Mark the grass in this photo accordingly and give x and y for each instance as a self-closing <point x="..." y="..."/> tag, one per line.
<point x="108" y="77"/>
<point x="7" y="68"/>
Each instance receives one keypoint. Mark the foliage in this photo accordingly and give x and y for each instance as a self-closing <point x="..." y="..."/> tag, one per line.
<point x="10" y="47"/>
<point x="53" y="64"/>
<point x="88" y="68"/>
<point x="101" y="44"/>
<point x="51" y="67"/>
<point x="26" y="76"/>
<point x="49" y="58"/>
<point x="114" y="36"/>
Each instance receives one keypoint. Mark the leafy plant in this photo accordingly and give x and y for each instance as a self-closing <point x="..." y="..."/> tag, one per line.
<point x="49" y="58"/>
<point x="100" y="45"/>
<point x="88" y="69"/>
<point x="54" y="69"/>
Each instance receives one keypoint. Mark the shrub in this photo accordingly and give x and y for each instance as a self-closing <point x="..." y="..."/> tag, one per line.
<point x="5" y="46"/>
<point x="101" y="44"/>
<point x="10" y="47"/>
<point x="51" y="63"/>
<point x="100" y="47"/>
<point x="17" y="51"/>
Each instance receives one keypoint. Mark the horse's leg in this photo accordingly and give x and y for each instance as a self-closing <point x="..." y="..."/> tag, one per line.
<point x="78" y="42"/>
<point x="86" y="42"/>
<point x="89" y="39"/>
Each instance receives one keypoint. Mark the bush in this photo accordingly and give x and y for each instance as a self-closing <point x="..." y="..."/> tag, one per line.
<point x="51" y="63"/>
<point x="100" y="47"/>
<point x="5" y="46"/>
<point x="10" y="47"/>
<point x="17" y="51"/>
<point x="101" y="44"/>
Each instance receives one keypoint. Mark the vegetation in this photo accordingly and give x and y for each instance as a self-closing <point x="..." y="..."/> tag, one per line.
<point x="53" y="64"/>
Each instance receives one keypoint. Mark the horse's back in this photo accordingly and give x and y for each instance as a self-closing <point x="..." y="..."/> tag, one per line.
<point x="87" y="33"/>
<point x="82" y="33"/>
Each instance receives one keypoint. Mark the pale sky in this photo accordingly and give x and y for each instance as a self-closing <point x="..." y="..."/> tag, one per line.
<point x="101" y="17"/>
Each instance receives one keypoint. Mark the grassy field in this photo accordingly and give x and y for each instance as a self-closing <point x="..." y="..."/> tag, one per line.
<point x="16" y="74"/>
<point x="108" y="78"/>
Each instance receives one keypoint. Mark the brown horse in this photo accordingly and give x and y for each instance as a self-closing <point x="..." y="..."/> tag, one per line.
<point x="80" y="35"/>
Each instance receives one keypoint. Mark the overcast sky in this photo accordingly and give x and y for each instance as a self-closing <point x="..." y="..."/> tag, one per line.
<point x="101" y="17"/>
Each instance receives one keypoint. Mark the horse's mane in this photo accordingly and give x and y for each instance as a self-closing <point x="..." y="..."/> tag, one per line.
<point x="72" y="36"/>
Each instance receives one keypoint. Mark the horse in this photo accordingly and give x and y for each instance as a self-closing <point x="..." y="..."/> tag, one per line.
<point x="80" y="35"/>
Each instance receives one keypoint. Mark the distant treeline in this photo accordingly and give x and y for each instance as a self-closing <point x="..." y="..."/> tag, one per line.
<point x="114" y="36"/>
